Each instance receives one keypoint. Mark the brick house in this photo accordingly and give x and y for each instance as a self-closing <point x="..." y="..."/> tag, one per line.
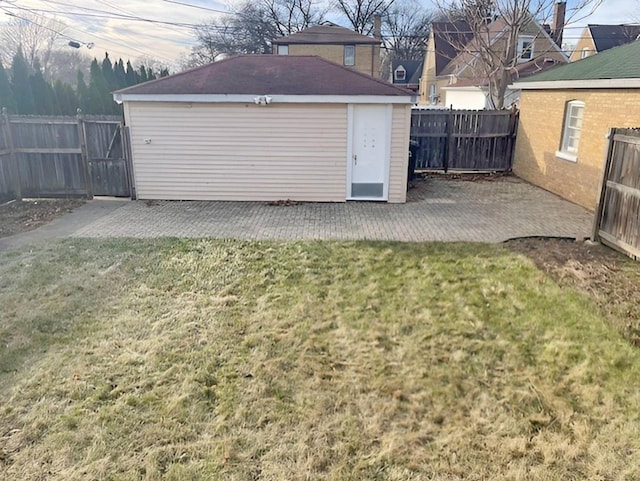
<point x="565" y="115"/>
<point x="452" y="71"/>
<point x="598" y="38"/>
<point x="336" y="44"/>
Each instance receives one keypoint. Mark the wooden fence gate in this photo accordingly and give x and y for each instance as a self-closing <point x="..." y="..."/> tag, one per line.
<point x="63" y="157"/>
<point x="473" y="140"/>
<point x="617" y="220"/>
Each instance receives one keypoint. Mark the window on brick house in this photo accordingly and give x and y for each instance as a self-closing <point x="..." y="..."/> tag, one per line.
<point x="525" y="48"/>
<point x="349" y="55"/>
<point x="571" y="130"/>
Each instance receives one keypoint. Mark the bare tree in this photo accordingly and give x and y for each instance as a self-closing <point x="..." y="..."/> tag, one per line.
<point x="361" y="13"/>
<point x="35" y="35"/>
<point x="406" y="27"/>
<point x="252" y="27"/>
<point x="65" y="63"/>
<point x="496" y="26"/>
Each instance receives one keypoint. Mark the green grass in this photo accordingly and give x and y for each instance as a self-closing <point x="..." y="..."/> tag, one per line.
<point x="186" y="360"/>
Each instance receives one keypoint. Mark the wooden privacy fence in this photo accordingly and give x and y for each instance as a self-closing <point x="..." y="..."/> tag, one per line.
<point x="473" y="140"/>
<point x="617" y="220"/>
<point x="63" y="157"/>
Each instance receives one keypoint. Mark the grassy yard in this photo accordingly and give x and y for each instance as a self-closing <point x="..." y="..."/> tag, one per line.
<point x="187" y="360"/>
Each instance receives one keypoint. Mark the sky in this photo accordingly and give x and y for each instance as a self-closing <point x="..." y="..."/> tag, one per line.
<point x="102" y="25"/>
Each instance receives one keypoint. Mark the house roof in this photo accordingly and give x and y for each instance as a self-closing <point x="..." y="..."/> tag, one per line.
<point x="617" y="63"/>
<point x="268" y="74"/>
<point x="327" y="34"/>
<point x="413" y="69"/>
<point x="493" y="32"/>
<point x="609" y="36"/>
<point x="448" y="37"/>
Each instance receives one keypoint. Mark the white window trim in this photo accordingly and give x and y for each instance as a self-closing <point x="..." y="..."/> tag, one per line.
<point x="563" y="152"/>
<point x="433" y="94"/>
<point x="400" y="69"/>
<point x="345" y="55"/>
<point x="521" y="41"/>
<point x="283" y="47"/>
<point x="566" y="156"/>
<point x="584" y="53"/>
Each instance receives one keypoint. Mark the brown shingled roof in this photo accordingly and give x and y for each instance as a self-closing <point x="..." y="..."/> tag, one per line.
<point x="269" y="74"/>
<point x="327" y="34"/>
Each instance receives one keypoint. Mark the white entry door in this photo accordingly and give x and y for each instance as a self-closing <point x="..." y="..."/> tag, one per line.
<point x="370" y="153"/>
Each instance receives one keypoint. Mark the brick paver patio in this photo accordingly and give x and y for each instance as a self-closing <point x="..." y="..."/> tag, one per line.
<point x="438" y="210"/>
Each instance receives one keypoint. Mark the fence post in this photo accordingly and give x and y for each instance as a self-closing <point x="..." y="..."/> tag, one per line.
<point x="513" y="127"/>
<point x="606" y="166"/>
<point x="82" y="136"/>
<point x="449" y="157"/>
<point x="126" y="145"/>
<point x="14" y="167"/>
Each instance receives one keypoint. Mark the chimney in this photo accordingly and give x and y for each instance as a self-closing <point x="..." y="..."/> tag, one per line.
<point x="377" y="26"/>
<point x="559" y="11"/>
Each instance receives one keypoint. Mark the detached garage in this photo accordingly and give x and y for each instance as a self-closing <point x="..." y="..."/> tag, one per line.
<point x="269" y="127"/>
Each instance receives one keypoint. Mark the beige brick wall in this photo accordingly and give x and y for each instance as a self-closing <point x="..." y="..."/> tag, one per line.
<point x="540" y="132"/>
<point x="585" y="42"/>
<point x="428" y="71"/>
<point x="367" y="56"/>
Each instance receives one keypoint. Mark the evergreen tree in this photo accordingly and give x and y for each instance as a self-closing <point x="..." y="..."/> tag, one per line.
<point x="66" y="99"/>
<point x="131" y="75"/>
<point x="150" y="74"/>
<point x="21" y="86"/>
<point x="143" y="74"/>
<point x="120" y="75"/>
<point x="97" y="100"/>
<point x="6" y="93"/>
<point x="107" y="72"/>
<point x="164" y="72"/>
<point x="82" y="92"/>
<point x="43" y="95"/>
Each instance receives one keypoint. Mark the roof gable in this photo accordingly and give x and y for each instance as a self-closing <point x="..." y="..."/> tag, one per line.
<point x="616" y="63"/>
<point x="327" y="34"/>
<point x="447" y="38"/>
<point x="268" y="74"/>
<point x="494" y="32"/>
<point x="609" y="36"/>
<point x="412" y="68"/>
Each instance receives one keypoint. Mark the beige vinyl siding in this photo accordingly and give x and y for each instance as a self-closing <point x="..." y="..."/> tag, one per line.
<point x="400" y="130"/>
<point x="239" y="151"/>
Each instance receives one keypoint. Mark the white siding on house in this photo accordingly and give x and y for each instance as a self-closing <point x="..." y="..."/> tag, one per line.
<point x="226" y="151"/>
<point x="469" y="99"/>
<point x="398" y="169"/>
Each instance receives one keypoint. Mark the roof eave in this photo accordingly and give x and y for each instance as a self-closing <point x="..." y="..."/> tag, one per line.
<point x="403" y="98"/>
<point x="619" y="83"/>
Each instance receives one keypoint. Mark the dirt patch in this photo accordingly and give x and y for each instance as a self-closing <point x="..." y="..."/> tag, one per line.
<point x="419" y="187"/>
<point x="22" y="216"/>
<point x="467" y="176"/>
<point x="609" y="277"/>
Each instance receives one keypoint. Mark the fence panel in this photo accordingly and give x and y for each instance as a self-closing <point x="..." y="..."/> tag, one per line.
<point x="108" y="166"/>
<point x="62" y="157"/>
<point x="48" y="156"/>
<point x="472" y="140"/>
<point x="617" y="221"/>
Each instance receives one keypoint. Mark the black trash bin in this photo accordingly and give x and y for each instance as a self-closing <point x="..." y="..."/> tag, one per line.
<point x="413" y="154"/>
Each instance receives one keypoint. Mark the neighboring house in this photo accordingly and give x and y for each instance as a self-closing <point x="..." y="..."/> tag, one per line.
<point x="598" y="38"/>
<point x="453" y="75"/>
<point x="565" y="115"/>
<point x="406" y="73"/>
<point x="266" y="128"/>
<point x="337" y="44"/>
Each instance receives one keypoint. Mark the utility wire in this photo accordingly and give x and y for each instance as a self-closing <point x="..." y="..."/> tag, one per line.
<point x="34" y="11"/>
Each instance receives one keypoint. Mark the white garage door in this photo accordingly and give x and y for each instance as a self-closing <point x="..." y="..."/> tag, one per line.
<point x="238" y="151"/>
